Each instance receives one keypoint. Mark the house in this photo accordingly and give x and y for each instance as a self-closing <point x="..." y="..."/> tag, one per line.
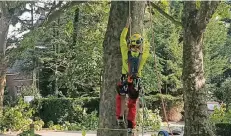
<point x="15" y="79"/>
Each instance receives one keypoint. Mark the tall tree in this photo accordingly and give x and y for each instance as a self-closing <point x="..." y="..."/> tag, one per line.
<point x="4" y="26"/>
<point x="195" y="18"/>
<point x="112" y="61"/>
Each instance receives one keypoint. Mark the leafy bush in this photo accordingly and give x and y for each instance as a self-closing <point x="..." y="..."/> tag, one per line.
<point x="221" y="119"/>
<point x="61" y="110"/>
<point x="223" y="129"/>
<point x="88" y="122"/>
<point x="220" y="115"/>
<point x="223" y="93"/>
<point x="19" y="117"/>
<point x="152" y="120"/>
<point x="30" y="91"/>
<point x="38" y="124"/>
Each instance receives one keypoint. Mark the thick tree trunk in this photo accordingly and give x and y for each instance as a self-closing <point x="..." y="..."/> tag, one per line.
<point x="4" y="26"/>
<point x="194" y="22"/>
<point x="2" y="80"/>
<point x="137" y="10"/>
<point x="112" y="69"/>
<point x="112" y="64"/>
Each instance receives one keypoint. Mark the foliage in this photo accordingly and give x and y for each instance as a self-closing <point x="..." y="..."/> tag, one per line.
<point x="8" y="100"/>
<point x="223" y="129"/>
<point x="218" y="115"/>
<point x="223" y="93"/>
<point x="19" y="117"/>
<point x="169" y="53"/>
<point x="215" y="52"/>
<point x="59" y="58"/>
<point x="30" y="91"/>
<point x="55" y="111"/>
<point x="88" y="122"/>
<point x="27" y="133"/>
<point x="151" y="120"/>
<point x="221" y="115"/>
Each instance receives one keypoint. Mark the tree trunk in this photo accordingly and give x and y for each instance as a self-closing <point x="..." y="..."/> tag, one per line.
<point x="75" y="26"/>
<point x="137" y="10"/>
<point x="4" y="26"/>
<point x="113" y="63"/>
<point x="194" y="22"/>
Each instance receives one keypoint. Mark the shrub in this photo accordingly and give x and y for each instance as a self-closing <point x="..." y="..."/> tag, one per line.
<point x="221" y="119"/>
<point x="19" y="117"/>
<point x="88" y="122"/>
<point x="30" y="91"/>
<point x="174" y="105"/>
<point x="223" y="129"/>
<point x="152" y="120"/>
<point x="220" y="115"/>
<point x="61" y="110"/>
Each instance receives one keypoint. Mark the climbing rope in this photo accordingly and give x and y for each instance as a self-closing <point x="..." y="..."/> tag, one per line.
<point x="129" y="17"/>
<point x="155" y="67"/>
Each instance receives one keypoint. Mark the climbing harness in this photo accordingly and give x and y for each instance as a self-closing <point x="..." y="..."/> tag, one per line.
<point x="133" y="65"/>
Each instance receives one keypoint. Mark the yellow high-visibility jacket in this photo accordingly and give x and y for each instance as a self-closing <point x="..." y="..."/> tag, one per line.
<point x="124" y="52"/>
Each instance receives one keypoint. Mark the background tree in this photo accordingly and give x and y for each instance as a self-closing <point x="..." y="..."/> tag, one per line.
<point x="4" y="26"/>
<point x="194" y="22"/>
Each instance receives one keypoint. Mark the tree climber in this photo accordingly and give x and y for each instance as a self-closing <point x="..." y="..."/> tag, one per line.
<point x="134" y="55"/>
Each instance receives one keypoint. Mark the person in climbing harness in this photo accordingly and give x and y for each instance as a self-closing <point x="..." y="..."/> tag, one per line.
<point x="134" y="55"/>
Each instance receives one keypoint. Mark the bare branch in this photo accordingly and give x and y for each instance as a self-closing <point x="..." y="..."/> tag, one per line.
<point x="178" y="23"/>
<point x="56" y="13"/>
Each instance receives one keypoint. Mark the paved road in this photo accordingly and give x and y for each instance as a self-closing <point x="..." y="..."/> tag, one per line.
<point x="73" y="134"/>
<point x="64" y="133"/>
<point x="78" y="133"/>
<point x="70" y="133"/>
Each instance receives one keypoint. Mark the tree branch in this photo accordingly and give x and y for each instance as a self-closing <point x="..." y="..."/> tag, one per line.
<point x="178" y="23"/>
<point x="54" y="7"/>
<point x="206" y="11"/>
<point x="56" y="13"/>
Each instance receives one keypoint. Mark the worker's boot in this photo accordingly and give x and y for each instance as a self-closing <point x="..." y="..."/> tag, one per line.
<point x="121" y="122"/>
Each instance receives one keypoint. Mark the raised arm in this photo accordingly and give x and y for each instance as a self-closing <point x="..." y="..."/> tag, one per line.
<point x="123" y="35"/>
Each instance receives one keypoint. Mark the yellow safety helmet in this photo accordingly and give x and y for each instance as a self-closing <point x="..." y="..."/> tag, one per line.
<point x="136" y="39"/>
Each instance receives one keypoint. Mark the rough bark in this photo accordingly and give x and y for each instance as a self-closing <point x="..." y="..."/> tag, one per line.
<point x="194" y="23"/>
<point x="137" y="10"/>
<point x="4" y="26"/>
<point x="112" y="64"/>
<point x="2" y="80"/>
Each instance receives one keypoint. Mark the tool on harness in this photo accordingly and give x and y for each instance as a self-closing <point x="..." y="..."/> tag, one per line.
<point x="122" y="86"/>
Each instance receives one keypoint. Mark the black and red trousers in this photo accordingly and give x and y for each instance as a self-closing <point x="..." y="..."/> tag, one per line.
<point x="132" y="90"/>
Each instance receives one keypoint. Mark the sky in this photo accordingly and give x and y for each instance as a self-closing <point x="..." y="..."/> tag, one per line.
<point x="13" y="30"/>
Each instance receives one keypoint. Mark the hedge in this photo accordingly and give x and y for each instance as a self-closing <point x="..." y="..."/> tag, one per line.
<point x="223" y="129"/>
<point x="59" y="110"/>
